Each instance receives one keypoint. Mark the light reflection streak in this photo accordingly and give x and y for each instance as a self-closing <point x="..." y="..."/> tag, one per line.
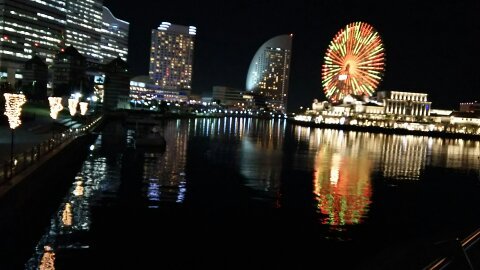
<point x="344" y="162"/>
<point x="97" y="177"/>
<point x="164" y="172"/>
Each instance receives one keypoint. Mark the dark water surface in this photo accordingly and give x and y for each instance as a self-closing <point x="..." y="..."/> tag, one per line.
<point x="248" y="193"/>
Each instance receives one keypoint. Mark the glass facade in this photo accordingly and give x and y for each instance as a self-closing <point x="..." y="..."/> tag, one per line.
<point x="114" y="38"/>
<point x="269" y="72"/>
<point x="84" y="27"/>
<point x="28" y="28"/>
<point x="171" y="56"/>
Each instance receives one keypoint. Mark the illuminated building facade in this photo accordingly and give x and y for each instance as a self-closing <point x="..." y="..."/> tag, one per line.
<point x="28" y="28"/>
<point x="143" y="90"/>
<point x="269" y="71"/>
<point x="114" y="38"/>
<point x="470" y="107"/>
<point x="228" y="96"/>
<point x="405" y="103"/>
<point x="84" y="27"/>
<point x="171" y="56"/>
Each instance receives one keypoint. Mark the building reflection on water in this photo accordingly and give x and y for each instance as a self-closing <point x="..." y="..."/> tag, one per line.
<point x="338" y="167"/>
<point x="98" y="179"/>
<point x="343" y="163"/>
<point x="164" y="172"/>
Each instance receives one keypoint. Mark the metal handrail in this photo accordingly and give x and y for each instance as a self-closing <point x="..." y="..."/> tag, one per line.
<point x="465" y="245"/>
<point x="27" y="158"/>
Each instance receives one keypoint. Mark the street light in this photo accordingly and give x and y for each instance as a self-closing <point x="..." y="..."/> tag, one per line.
<point x="13" y="110"/>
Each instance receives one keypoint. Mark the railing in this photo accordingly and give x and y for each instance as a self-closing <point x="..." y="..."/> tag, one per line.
<point x="28" y="158"/>
<point x="459" y="255"/>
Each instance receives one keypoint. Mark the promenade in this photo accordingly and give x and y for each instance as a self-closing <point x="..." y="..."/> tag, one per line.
<point x="37" y="128"/>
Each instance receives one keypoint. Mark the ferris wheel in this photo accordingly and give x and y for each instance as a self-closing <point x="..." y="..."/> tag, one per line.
<point x="354" y="62"/>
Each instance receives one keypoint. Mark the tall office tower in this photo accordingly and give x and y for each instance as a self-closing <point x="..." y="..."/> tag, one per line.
<point x="114" y="38"/>
<point x="84" y="27"/>
<point x="171" y="56"/>
<point x="269" y="72"/>
<point x="28" y="28"/>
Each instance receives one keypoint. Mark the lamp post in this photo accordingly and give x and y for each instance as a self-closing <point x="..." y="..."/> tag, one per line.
<point x="13" y="110"/>
<point x="55" y="107"/>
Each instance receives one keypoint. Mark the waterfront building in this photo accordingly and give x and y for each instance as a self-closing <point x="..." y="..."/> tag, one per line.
<point x="405" y="103"/>
<point x="228" y="96"/>
<point x="35" y="78"/>
<point x="69" y="72"/>
<point x="116" y="88"/>
<point x="269" y="72"/>
<point x="114" y="37"/>
<point x="171" y="56"/>
<point x="84" y="27"/>
<point x="470" y="107"/>
<point x="28" y="28"/>
<point x="143" y="90"/>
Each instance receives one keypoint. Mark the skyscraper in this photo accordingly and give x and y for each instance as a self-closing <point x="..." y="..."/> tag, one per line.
<point x="28" y="28"/>
<point x="269" y="72"/>
<point x="84" y="27"/>
<point x="114" y="38"/>
<point x="171" y="56"/>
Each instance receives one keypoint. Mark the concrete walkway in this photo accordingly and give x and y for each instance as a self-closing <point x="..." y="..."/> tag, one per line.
<point x="27" y="135"/>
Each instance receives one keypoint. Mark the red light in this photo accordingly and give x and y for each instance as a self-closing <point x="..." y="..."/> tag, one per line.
<point x="5" y="37"/>
<point x="62" y="49"/>
<point x="36" y="44"/>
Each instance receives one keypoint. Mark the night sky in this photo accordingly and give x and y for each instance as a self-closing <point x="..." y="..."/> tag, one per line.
<point x="430" y="47"/>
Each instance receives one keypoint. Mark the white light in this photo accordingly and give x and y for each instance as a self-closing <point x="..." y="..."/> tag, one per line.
<point x="83" y="108"/>
<point x="92" y="147"/>
<point x="13" y="108"/>
<point x="55" y="106"/>
<point x="342" y="77"/>
<point x="72" y="106"/>
<point x="94" y="98"/>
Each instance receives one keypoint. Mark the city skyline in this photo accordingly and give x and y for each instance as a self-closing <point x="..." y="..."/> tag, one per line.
<point x="428" y="47"/>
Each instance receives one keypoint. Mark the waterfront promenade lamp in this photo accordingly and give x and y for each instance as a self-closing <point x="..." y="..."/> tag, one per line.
<point x="13" y="110"/>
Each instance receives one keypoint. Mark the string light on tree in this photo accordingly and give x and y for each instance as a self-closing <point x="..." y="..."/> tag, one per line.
<point x="13" y="108"/>
<point x="55" y="106"/>
<point x="83" y="108"/>
<point x="72" y="106"/>
<point x="48" y="259"/>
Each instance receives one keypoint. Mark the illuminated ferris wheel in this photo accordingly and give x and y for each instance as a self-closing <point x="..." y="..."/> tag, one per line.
<point x="354" y="62"/>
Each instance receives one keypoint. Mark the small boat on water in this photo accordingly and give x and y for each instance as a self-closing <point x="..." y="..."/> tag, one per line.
<point x="151" y="140"/>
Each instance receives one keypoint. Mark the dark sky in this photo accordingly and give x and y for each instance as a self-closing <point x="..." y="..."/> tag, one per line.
<point x="430" y="47"/>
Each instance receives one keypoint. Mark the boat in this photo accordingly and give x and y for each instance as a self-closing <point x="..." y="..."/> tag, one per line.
<point x="152" y="139"/>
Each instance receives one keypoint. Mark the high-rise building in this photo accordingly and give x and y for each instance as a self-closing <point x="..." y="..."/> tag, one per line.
<point x="269" y="72"/>
<point x="28" y="28"/>
<point x="114" y="38"/>
<point x="171" y="56"/>
<point x="84" y="27"/>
